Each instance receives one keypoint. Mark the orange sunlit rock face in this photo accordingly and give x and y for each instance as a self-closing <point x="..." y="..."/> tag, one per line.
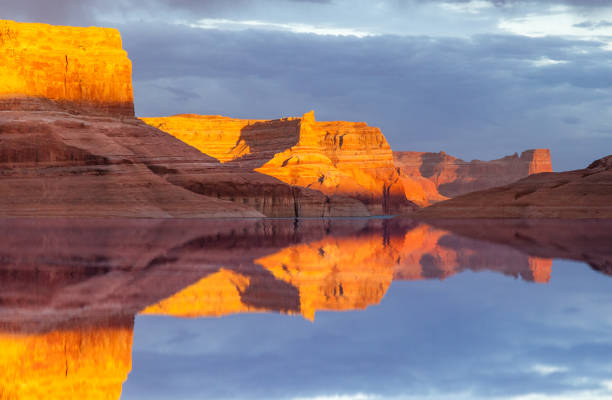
<point x="83" y="68"/>
<point x="78" y="363"/>
<point x="442" y="176"/>
<point x="348" y="159"/>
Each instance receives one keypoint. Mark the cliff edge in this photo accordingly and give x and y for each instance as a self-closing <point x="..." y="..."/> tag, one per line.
<point x="81" y="69"/>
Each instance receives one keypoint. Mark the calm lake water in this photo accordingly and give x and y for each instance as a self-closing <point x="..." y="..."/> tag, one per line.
<point x="312" y="309"/>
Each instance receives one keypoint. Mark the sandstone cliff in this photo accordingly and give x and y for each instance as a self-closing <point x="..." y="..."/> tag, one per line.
<point x="56" y="164"/>
<point x="583" y="193"/>
<point x="81" y="153"/>
<point x="81" y="68"/>
<point x="346" y="159"/>
<point x="443" y="176"/>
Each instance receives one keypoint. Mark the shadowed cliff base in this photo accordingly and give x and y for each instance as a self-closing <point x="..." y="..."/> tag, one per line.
<point x="580" y="194"/>
<point x="58" y="164"/>
<point x="17" y="102"/>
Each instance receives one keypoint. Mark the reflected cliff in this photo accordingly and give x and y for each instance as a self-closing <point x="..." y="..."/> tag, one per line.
<point x="70" y="289"/>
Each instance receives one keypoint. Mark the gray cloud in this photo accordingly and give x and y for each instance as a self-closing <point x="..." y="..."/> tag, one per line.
<point x="593" y="24"/>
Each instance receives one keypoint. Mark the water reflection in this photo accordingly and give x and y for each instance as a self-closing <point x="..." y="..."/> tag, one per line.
<point x="70" y="289"/>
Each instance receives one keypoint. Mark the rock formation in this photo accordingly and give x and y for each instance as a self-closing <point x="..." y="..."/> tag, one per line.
<point x="443" y="176"/>
<point x="56" y="164"/>
<point x="347" y="159"/>
<point x="81" y="68"/>
<point x="82" y="153"/>
<point x="585" y="193"/>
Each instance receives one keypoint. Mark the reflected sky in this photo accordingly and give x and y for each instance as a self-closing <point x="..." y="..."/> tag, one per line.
<point x="344" y="309"/>
<point x="475" y="335"/>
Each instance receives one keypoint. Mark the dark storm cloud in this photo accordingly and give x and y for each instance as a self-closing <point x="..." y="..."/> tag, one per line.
<point x="478" y="98"/>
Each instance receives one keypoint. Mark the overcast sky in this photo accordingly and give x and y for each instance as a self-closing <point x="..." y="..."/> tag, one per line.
<point x="477" y="79"/>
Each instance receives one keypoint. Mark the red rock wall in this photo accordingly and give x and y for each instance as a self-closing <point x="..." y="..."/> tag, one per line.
<point x="81" y="68"/>
<point x="453" y="177"/>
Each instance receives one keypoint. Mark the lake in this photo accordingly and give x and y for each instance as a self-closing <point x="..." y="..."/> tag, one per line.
<point x="342" y="309"/>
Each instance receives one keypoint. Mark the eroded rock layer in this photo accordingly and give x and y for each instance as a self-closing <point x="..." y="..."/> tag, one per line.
<point x="80" y="68"/>
<point x="585" y="193"/>
<point x="53" y="163"/>
<point x="346" y="159"/>
<point x="56" y="164"/>
<point x="442" y="176"/>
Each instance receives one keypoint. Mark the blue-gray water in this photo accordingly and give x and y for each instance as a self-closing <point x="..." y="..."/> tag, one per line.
<point x="475" y="335"/>
<point x="347" y="309"/>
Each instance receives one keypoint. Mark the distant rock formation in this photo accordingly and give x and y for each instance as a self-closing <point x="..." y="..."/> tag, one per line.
<point x="81" y="68"/>
<point x="348" y="159"/>
<point x="585" y="193"/>
<point x="442" y="176"/>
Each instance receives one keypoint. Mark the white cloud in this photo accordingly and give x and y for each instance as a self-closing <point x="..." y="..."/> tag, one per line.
<point x="227" y="24"/>
<point x="558" y="22"/>
<point x="546" y="370"/>
<point x="472" y="7"/>
<point x="545" y="62"/>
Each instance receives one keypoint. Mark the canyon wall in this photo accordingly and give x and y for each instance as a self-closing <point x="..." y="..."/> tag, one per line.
<point x="82" y="152"/>
<point x="347" y="159"/>
<point x="443" y="176"/>
<point x="80" y="68"/>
